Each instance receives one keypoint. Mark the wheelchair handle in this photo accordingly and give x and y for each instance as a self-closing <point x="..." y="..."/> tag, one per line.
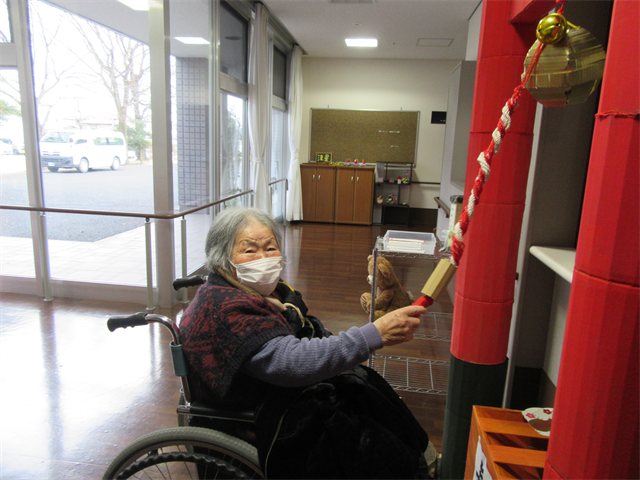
<point x="124" y="321"/>
<point x="192" y="281"/>
<point x="141" y="318"/>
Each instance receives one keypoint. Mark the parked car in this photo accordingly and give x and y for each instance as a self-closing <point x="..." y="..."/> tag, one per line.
<point x="83" y="150"/>
<point x="8" y="147"/>
<point x="5" y="149"/>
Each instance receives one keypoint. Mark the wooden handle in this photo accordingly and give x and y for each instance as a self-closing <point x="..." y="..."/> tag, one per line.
<point x="439" y="279"/>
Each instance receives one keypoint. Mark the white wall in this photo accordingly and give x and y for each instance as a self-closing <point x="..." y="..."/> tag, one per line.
<point x="473" y="35"/>
<point x="557" y="322"/>
<point x="364" y="84"/>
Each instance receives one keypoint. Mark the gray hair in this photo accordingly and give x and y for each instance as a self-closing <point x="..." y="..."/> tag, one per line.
<point x="224" y="230"/>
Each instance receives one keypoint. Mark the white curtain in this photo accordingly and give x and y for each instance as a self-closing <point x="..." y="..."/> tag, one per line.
<point x="294" y="200"/>
<point x="259" y="113"/>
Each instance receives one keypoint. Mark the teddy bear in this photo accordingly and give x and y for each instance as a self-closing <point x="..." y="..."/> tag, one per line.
<point x="389" y="293"/>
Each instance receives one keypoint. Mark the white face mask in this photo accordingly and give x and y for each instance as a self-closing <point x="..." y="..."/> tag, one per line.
<point x="262" y="275"/>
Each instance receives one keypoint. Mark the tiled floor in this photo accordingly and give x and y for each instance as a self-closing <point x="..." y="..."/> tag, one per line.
<point x="120" y="259"/>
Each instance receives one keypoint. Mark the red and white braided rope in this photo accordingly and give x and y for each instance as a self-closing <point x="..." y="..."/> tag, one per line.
<point x="484" y="159"/>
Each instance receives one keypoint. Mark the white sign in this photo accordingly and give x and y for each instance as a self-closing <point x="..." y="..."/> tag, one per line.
<point x="481" y="471"/>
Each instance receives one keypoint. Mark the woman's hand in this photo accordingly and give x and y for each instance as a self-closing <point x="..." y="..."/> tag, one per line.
<point x="399" y="326"/>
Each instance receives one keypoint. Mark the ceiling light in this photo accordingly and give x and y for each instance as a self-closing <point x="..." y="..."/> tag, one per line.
<point x="361" y="42"/>
<point x="137" y="5"/>
<point x="192" y="40"/>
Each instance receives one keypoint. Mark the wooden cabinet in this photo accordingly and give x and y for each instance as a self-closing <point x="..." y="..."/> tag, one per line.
<point x="337" y="194"/>
<point x="354" y="195"/>
<point x="318" y="192"/>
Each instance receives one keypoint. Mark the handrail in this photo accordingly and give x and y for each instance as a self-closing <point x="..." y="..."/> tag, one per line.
<point x="446" y="209"/>
<point x="169" y="216"/>
<point x="281" y="180"/>
<point x="46" y="274"/>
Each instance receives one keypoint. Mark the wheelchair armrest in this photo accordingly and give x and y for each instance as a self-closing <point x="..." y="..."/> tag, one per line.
<point x="200" y="409"/>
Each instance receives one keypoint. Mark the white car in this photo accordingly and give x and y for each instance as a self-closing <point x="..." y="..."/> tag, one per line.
<point x="7" y="147"/>
<point x="83" y="150"/>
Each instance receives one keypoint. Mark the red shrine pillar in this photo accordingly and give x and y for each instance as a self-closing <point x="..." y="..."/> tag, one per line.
<point x="594" y="432"/>
<point x="486" y="274"/>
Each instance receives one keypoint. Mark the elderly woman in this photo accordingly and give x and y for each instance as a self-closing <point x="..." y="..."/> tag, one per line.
<point x="247" y="336"/>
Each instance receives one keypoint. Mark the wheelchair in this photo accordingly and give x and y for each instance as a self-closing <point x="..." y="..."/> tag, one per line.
<point x="185" y="451"/>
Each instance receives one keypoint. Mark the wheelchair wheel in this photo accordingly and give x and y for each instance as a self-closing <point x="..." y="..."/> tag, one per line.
<point x="186" y="452"/>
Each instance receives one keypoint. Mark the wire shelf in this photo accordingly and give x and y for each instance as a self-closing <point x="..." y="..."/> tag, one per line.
<point x="436" y="255"/>
<point x="420" y="375"/>
<point x="435" y="326"/>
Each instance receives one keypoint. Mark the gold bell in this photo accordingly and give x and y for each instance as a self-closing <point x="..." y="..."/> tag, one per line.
<point x="551" y="29"/>
<point x="570" y="66"/>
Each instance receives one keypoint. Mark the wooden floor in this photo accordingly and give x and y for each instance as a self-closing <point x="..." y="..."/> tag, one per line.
<point x="73" y="394"/>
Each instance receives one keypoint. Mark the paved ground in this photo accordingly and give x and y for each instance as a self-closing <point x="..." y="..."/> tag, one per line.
<point x="129" y="189"/>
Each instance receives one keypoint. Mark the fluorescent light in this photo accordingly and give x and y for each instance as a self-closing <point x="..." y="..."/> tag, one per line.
<point x="192" y="40"/>
<point x="361" y="42"/>
<point x="137" y="5"/>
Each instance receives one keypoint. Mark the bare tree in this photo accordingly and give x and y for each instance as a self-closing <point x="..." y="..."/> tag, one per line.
<point x="121" y="63"/>
<point x="48" y="73"/>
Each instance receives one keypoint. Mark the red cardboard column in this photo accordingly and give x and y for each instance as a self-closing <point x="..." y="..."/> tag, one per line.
<point x="595" y="429"/>
<point x="486" y="275"/>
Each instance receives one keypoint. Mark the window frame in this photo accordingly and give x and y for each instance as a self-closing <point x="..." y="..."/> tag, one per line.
<point x="232" y="86"/>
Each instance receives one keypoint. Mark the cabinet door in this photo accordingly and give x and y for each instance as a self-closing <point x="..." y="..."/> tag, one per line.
<point x="345" y="190"/>
<point x="325" y="193"/>
<point x="308" y="181"/>
<point x="363" y="196"/>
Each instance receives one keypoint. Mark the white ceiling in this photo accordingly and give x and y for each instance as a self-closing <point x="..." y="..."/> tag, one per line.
<point x="320" y="26"/>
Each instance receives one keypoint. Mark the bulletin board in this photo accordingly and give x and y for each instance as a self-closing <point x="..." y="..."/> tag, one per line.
<point x="369" y="135"/>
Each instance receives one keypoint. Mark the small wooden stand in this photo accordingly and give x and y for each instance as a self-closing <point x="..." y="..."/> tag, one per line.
<point x="504" y="445"/>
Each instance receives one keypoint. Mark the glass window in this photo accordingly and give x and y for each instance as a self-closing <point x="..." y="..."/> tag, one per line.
<point x="5" y="31"/>
<point x="233" y="43"/>
<point x="278" y="146"/>
<point x="100" y="84"/>
<point x="279" y="73"/>
<point x="278" y="161"/>
<point x="232" y="127"/>
<point x="16" y="247"/>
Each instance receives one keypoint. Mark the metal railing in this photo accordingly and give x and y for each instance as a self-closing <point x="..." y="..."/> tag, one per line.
<point x="443" y="206"/>
<point x="46" y="274"/>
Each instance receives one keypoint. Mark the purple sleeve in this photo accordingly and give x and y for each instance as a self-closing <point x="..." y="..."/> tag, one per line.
<point x="289" y="362"/>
